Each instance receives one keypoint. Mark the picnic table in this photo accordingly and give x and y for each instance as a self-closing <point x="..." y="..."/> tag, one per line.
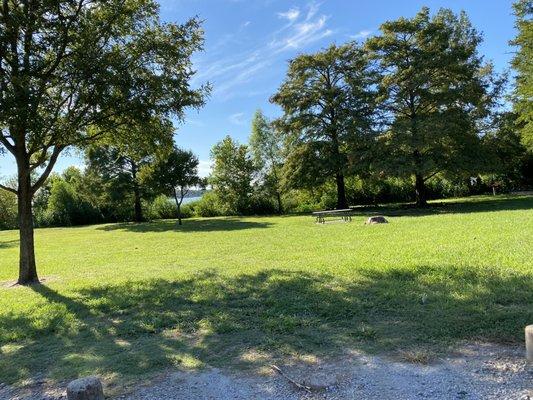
<point x="345" y="214"/>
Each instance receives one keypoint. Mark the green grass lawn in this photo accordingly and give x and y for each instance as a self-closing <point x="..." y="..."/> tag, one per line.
<point x="126" y="301"/>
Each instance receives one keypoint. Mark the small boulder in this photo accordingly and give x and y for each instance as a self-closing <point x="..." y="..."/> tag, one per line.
<point x="89" y="388"/>
<point x="378" y="219"/>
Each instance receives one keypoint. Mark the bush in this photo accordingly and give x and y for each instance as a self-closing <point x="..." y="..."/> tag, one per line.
<point x="162" y="208"/>
<point x="66" y="207"/>
<point x="8" y="210"/>
<point x="208" y="206"/>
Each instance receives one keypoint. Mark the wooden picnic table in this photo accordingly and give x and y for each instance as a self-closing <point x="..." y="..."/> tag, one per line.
<point x="345" y="214"/>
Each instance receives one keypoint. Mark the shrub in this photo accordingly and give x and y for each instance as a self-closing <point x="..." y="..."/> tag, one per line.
<point x="66" y="207"/>
<point x="162" y="208"/>
<point x="8" y="210"/>
<point x="208" y="206"/>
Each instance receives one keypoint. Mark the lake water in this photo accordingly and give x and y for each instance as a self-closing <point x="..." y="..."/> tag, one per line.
<point x="188" y="200"/>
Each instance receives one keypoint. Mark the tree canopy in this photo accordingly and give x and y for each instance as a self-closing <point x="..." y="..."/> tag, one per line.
<point x="68" y="65"/>
<point x="327" y="103"/>
<point x="173" y="173"/>
<point x="232" y="175"/>
<point x="523" y="65"/>
<point x="434" y="92"/>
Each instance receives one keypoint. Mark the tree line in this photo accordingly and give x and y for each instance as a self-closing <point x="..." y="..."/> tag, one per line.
<point x="415" y="105"/>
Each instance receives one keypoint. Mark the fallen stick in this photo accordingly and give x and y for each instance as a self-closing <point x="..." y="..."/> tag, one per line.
<point x="297" y="384"/>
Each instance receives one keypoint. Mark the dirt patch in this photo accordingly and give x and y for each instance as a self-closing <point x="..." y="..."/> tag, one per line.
<point x="14" y="284"/>
<point x="473" y="372"/>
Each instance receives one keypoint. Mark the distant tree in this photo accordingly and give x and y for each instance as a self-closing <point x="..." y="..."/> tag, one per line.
<point x="120" y="160"/>
<point x="507" y="158"/>
<point x="66" y="65"/>
<point x="266" y="148"/>
<point x="174" y="174"/>
<point x="232" y="174"/>
<point x="435" y="93"/>
<point x="523" y="65"/>
<point x="327" y="103"/>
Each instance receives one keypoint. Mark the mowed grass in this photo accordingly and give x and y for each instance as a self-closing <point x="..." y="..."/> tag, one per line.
<point x="127" y="301"/>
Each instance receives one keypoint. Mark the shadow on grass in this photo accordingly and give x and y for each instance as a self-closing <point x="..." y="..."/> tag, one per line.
<point x="204" y="225"/>
<point x="468" y="206"/>
<point x="9" y="244"/>
<point x="140" y="328"/>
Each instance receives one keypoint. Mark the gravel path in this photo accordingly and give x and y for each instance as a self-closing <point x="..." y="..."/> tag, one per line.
<point x="476" y="372"/>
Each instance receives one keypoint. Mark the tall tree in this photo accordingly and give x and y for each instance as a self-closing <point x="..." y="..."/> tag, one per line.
<point x="435" y="93"/>
<point x="523" y="65"/>
<point x="327" y="103"/>
<point x="66" y="65"/>
<point x="119" y="160"/>
<point x="266" y="148"/>
<point x="232" y="174"/>
<point x="173" y="174"/>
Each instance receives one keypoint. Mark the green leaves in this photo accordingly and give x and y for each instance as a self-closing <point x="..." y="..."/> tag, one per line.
<point x="327" y="104"/>
<point x="523" y="65"/>
<point x="435" y="94"/>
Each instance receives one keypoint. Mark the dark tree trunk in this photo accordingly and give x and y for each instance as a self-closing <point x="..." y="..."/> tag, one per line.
<point x="138" y="211"/>
<point x="280" y="206"/>
<point x="341" y="192"/>
<point x="420" y="191"/>
<point x="27" y="266"/>
<point x="179" y="200"/>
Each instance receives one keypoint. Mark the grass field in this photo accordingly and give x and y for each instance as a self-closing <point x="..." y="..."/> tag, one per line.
<point x="126" y="301"/>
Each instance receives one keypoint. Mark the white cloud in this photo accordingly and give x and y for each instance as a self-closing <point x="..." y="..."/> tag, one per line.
<point x="361" y="34"/>
<point x="245" y="24"/>
<point x="237" y="119"/>
<point x="291" y="15"/>
<point x="304" y="33"/>
<point x="204" y="168"/>
<point x="226" y="73"/>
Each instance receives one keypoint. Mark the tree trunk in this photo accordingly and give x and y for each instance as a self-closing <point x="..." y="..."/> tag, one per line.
<point x="420" y="190"/>
<point x="280" y="206"/>
<point x="341" y="192"/>
<point x="178" y="203"/>
<point x="27" y="266"/>
<point x="136" y="195"/>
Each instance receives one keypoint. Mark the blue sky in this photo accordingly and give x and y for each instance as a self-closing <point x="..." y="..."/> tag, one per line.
<point x="248" y="44"/>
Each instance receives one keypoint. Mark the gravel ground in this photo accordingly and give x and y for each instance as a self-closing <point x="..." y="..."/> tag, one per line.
<point x="474" y="372"/>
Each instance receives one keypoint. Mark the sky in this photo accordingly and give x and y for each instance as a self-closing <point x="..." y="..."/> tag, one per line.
<point x="249" y="42"/>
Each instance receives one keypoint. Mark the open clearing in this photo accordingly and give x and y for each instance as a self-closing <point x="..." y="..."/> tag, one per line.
<point x="128" y="302"/>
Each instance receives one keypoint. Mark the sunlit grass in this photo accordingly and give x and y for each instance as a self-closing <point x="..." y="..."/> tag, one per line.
<point x="131" y="300"/>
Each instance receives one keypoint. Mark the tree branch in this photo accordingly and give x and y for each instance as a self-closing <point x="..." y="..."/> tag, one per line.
<point x="48" y="169"/>
<point x="8" y="189"/>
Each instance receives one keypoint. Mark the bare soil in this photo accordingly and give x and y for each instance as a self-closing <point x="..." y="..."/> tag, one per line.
<point x="480" y="371"/>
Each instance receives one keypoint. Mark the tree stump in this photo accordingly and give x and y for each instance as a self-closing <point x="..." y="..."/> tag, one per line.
<point x="89" y="388"/>
<point x="529" y="343"/>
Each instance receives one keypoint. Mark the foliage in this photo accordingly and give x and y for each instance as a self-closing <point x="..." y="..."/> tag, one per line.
<point x="524" y="68"/>
<point x="435" y="94"/>
<point x="267" y="152"/>
<point x="133" y="305"/>
<point x="75" y="71"/>
<point x="232" y="176"/>
<point x="511" y="165"/>
<point x="162" y="208"/>
<point x="8" y="210"/>
<point x="173" y="174"/>
<point x="209" y="206"/>
<point x="327" y="104"/>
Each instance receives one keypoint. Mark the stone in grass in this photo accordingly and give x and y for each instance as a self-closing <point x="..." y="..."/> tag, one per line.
<point x="378" y="219"/>
<point x="89" y="388"/>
